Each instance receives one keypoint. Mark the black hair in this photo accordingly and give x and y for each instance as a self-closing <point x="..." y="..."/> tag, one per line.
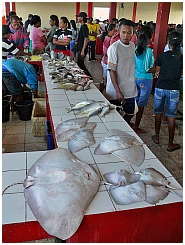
<point x="55" y="18"/>
<point x="35" y="19"/>
<point x="11" y="13"/>
<point x="144" y="35"/>
<point x="73" y="23"/>
<point x="111" y="27"/>
<point x="175" y="40"/>
<point x="114" y="20"/>
<point x="14" y="18"/>
<point x="126" y="23"/>
<point x="66" y="21"/>
<point x="120" y="20"/>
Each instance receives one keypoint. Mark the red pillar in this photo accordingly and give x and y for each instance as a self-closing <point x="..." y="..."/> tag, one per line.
<point x="77" y="9"/>
<point x="112" y="11"/>
<point x="13" y="7"/>
<point x="7" y="8"/>
<point x="161" y="27"/>
<point x="134" y="12"/>
<point x="90" y="5"/>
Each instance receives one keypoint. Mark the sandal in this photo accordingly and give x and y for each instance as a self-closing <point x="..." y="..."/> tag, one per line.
<point x="176" y="147"/>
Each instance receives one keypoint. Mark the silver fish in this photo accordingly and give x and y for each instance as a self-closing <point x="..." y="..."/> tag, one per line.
<point x="80" y="140"/>
<point x="91" y="109"/>
<point x="80" y="105"/>
<point x="104" y="111"/>
<point x="58" y="190"/>
<point x="67" y="135"/>
<point x="121" y="178"/>
<point x="71" y="124"/>
<point x="124" y="195"/>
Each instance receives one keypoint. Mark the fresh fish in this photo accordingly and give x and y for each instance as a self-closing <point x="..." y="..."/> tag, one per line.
<point x="154" y="194"/>
<point x="124" y="195"/>
<point x="75" y="123"/>
<point x="68" y="85"/>
<point x="121" y="178"/>
<point x="81" y="104"/>
<point x="58" y="190"/>
<point x="104" y="111"/>
<point x="80" y="140"/>
<point x="151" y="176"/>
<point x="67" y="135"/>
<point x="113" y="143"/>
<point x="134" y="155"/>
<point x="92" y="109"/>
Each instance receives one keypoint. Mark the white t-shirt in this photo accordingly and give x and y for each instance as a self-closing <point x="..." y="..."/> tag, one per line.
<point x="121" y="60"/>
<point x="29" y="30"/>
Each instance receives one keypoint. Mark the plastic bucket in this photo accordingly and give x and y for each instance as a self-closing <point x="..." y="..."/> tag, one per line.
<point x="24" y="109"/>
<point x="27" y="95"/>
<point x="5" y="111"/>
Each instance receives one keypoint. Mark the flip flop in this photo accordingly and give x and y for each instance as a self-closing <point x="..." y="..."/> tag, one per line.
<point x="177" y="147"/>
<point x="153" y="138"/>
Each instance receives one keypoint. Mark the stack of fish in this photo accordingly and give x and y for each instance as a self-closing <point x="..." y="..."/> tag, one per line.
<point x="91" y="107"/>
<point x="122" y="145"/>
<point x="78" y="132"/>
<point x="146" y="185"/>
<point x="67" y="75"/>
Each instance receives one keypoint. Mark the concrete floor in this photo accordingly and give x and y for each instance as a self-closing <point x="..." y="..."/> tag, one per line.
<point x="17" y="135"/>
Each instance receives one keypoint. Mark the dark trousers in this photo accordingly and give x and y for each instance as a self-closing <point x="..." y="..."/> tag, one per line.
<point x="92" y="45"/>
<point x="80" y="63"/>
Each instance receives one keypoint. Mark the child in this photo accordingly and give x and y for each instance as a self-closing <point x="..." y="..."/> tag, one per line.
<point x="169" y="67"/>
<point x="144" y="67"/>
<point x="106" y="44"/>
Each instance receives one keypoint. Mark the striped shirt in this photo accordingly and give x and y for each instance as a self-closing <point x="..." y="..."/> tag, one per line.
<point x="62" y="35"/>
<point x="19" y="38"/>
<point x="8" y="48"/>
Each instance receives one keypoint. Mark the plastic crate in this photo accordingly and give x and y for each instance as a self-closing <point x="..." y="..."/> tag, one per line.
<point x="39" y="118"/>
<point x="49" y="136"/>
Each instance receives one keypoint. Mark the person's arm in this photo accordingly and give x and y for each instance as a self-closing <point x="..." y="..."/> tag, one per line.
<point x="119" y="94"/>
<point x="151" y="70"/>
<point x="84" y="46"/>
<point x="62" y="42"/>
<point x="157" y="71"/>
<point x="22" y="53"/>
<point x="43" y="39"/>
<point x="182" y="73"/>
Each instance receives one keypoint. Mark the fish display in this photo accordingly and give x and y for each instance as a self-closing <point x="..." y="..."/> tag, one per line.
<point x="80" y="105"/>
<point x="58" y="190"/>
<point x="122" y="145"/>
<point x="67" y="125"/>
<point x="127" y="188"/>
<point x="68" y="135"/>
<point x="80" y="140"/>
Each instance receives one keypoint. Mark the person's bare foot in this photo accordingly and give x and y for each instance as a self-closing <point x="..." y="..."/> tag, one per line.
<point x="141" y="131"/>
<point x="155" y="140"/>
<point x="174" y="147"/>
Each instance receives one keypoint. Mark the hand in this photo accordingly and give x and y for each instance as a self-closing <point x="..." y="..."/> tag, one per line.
<point x="29" y="54"/>
<point x="120" y="96"/>
<point x="82" y="53"/>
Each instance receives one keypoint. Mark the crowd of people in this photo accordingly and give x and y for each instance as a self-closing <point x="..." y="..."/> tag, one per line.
<point x="128" y="61"/>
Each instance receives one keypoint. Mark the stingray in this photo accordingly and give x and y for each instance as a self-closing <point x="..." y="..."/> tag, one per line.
<point x="122" y="145"/>
<point x="58" y="190"/>
<point x="121" y="178"/>
<point x="68" y="135"/>
<point x="80" y="140"/>
<point x="67" y="125"/>
<point x="124" y="195"/>
<point x="151" y="176"/>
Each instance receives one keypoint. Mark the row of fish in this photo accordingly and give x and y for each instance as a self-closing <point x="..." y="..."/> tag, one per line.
<point x="146" y="185"/>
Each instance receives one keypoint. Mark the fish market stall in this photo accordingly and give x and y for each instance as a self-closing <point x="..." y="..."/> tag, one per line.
<point x="100" y="138"/>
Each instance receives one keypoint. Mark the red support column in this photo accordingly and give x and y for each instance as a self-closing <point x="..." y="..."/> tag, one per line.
<point x="13" y="7"/>
<point x="134" y="12"/>
<point x="89" y="13"/>
<point x="7" y="8"/>
<point x="161" y="27"/>
<point x="77" y="9"/>
<point x="112" y="11"/>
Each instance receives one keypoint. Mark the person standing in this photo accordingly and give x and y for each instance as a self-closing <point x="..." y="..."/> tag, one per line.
<point x="37" y="36"/>
<point x="82" y="42"/>
<point x="144" y="67"/>
<point x="17" y="35"/>
<point x="54" y="23"/>
<point x="121" y="88"/>
<point x="27" y="22"/>
<point x="62" y="36"/>
<point x="74" y="33"/>
<point x="92" y="39"/>
<point x="169" y="69"/>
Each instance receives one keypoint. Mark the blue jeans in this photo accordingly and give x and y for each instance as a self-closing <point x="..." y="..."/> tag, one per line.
<point x="171" y="97"/>
<point x="144" y="88"/>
